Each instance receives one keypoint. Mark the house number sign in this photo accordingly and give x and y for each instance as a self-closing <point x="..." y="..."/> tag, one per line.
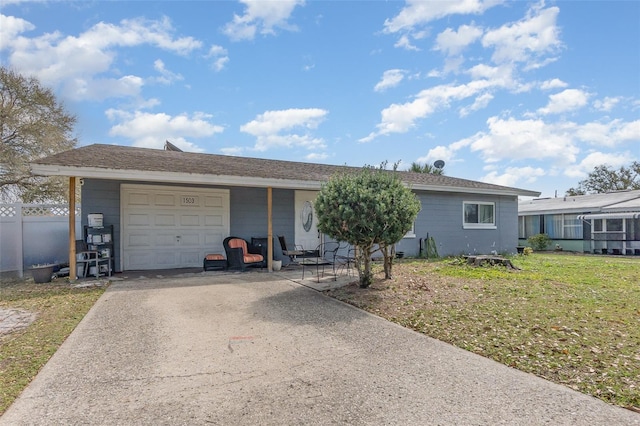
<point x="189" y="201"/>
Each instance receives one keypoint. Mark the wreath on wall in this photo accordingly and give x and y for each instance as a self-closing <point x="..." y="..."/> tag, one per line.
<point x="306" y="215"/>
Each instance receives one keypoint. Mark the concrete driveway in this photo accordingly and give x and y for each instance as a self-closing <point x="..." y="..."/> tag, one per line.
<point x="247" y="349"/>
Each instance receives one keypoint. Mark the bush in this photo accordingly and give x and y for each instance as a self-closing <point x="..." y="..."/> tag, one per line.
<point x="539" y="242"/>
<point x="527" y="251"/>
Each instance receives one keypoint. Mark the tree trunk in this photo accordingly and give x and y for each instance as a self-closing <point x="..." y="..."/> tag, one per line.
<point x="389" y="253"/>
<point x="363" y="264"/>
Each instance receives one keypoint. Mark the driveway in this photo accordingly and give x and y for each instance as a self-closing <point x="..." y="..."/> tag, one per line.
<point x="247" y="349"/>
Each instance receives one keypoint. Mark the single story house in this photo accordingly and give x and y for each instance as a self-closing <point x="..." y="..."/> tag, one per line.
<point x="606" y="223"/>
<point x="168" y="209"/>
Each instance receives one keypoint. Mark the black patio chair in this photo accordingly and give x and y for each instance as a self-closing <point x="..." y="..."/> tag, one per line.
<point x="241" y="254"/>
<point x="323" y="256"/>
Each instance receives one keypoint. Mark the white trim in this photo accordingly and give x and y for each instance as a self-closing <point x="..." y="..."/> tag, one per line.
<point x="466" y="225"/>
<point x="628" y="215"/>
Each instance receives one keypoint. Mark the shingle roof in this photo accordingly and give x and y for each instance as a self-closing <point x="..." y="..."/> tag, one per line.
<point x="610" y="201"/>
<point x="76" y="162"/>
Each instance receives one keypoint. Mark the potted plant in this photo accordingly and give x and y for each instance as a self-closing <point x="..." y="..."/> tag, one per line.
<point x="42" y="272"/>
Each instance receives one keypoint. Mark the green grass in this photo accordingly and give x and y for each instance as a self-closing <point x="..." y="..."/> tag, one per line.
<point x="572" y="319"/>
<point x="23" y="353"/>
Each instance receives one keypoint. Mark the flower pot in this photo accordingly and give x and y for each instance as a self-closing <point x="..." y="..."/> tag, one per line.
<point x="42" y="274"/>
<point x="277" y="265"/>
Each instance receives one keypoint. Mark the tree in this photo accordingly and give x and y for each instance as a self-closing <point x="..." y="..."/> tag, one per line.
<point x="33" y="124"/>
<point x="607" y="179"/>
<point x="371" y="210"/>
<point x="425" y="168"/>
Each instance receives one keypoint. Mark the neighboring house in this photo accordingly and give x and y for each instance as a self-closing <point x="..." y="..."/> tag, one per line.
<point x="170" y="208"/>
<point x="606" y="223"/>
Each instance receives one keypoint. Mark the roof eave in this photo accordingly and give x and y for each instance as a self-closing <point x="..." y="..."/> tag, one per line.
<point x="172" y="177"/>
<point x="211" y="179"/>
<point x="486" y="191"/>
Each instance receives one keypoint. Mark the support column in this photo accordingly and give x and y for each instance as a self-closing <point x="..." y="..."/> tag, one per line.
<point x="269" y="229"/>
<point x="72" y="229"/>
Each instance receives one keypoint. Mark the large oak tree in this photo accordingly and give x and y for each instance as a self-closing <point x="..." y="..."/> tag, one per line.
<point x="606" y="179"/>
<point x="33" y="124"/>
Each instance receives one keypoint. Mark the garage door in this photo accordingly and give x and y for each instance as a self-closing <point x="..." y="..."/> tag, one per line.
<point x="166" y="227"/>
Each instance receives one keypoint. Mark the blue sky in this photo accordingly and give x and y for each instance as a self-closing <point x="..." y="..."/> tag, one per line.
<point x="526" y="94"/>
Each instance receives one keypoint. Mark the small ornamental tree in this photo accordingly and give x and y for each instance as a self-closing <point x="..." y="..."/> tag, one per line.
<point x="371" y="210"/>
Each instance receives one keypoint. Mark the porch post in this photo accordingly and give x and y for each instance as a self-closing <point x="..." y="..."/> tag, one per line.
<point x="72" y="229"/>
<point x="269" y="229"/>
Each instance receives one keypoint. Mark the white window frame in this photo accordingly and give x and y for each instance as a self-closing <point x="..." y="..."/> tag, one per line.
<point x="412" y="232"/>
<point x="466" y="225"/>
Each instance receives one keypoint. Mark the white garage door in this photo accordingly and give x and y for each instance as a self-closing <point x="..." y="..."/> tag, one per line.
<point x="166" y="227"/>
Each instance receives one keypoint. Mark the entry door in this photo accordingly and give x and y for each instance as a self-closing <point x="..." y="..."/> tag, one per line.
<point x="166" y="227"/>
<point x="306" y="223"/>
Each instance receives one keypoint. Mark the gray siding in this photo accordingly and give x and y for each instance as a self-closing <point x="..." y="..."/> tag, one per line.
<point x="441" y="218"/>
<point x="248" y="211"/>
<point x="103" y="196"/>
<point x="249" y="214"/>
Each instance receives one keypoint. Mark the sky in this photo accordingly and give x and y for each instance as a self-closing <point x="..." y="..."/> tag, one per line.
<point x="531" y="95"/>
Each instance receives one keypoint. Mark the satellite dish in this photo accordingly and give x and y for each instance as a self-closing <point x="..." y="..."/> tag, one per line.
<point x="438" y="164"/>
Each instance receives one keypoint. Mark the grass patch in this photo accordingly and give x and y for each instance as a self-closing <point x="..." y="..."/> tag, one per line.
<point x="59" y="309"/>
<point x="571" y="319"/>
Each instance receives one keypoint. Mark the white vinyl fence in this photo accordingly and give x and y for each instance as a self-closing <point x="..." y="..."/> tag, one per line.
<point x="32" y="234"/>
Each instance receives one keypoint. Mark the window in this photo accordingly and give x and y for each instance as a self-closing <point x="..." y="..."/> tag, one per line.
<point x="479" y="215"/>
<point x="563" y="226"/>
<point x="528" y="226"/>
<point x="412" y="232"/>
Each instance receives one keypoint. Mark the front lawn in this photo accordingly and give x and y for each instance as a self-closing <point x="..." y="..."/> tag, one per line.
<point x="572" y="319"/>
<point x="58" y="308"/>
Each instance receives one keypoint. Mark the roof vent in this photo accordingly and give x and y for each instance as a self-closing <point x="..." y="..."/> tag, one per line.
<point x="168" y="146"/>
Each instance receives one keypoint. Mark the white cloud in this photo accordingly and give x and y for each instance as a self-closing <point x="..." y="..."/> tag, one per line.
<point x="512" y="175"/>
<point x="275" y="128"/>
<point x="527" y="40"/>
<point x="261" y="17"/>
<point x="420" y="12"/>
<point x="78" y="63"/>
<point x="445" y="153"/>
<point x="513" y="139"/>
<point x="405" y="42"/>
<point x="232" y="150"/>
<point x="481" y="102"/>
<point x="219" y="55"/>
<point x="151" y="130"/>
<point x="316" y="156"/>
<point x="594" y="159"/>
<point x="567" y="100"/>
<point x="390" y="78"/>
<point x="606" y="104"/>
<point x="555" y="83"/>
<point x="400" y="118"/>
<point x="166" y="76"/>
<point x="452" y="42"/>
<point x="10" y="27"/>
<point x="609" y="134"/>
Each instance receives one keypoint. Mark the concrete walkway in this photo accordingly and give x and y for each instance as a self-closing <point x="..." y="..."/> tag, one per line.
<point x="217" y="349"/>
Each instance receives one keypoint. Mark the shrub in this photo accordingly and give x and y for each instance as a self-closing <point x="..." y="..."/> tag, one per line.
<point x="527" y="251"/>
<point x="539" y="242"/>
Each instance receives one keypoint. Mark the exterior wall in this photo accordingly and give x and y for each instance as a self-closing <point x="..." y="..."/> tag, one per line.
<point x="103" y="196"/>
<point x="441" y="218"/>
<point x="248" y="211"/>
<point x="567" y="245"/>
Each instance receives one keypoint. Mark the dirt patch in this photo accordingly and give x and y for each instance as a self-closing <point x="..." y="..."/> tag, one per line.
<point x="12" y="320"/>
